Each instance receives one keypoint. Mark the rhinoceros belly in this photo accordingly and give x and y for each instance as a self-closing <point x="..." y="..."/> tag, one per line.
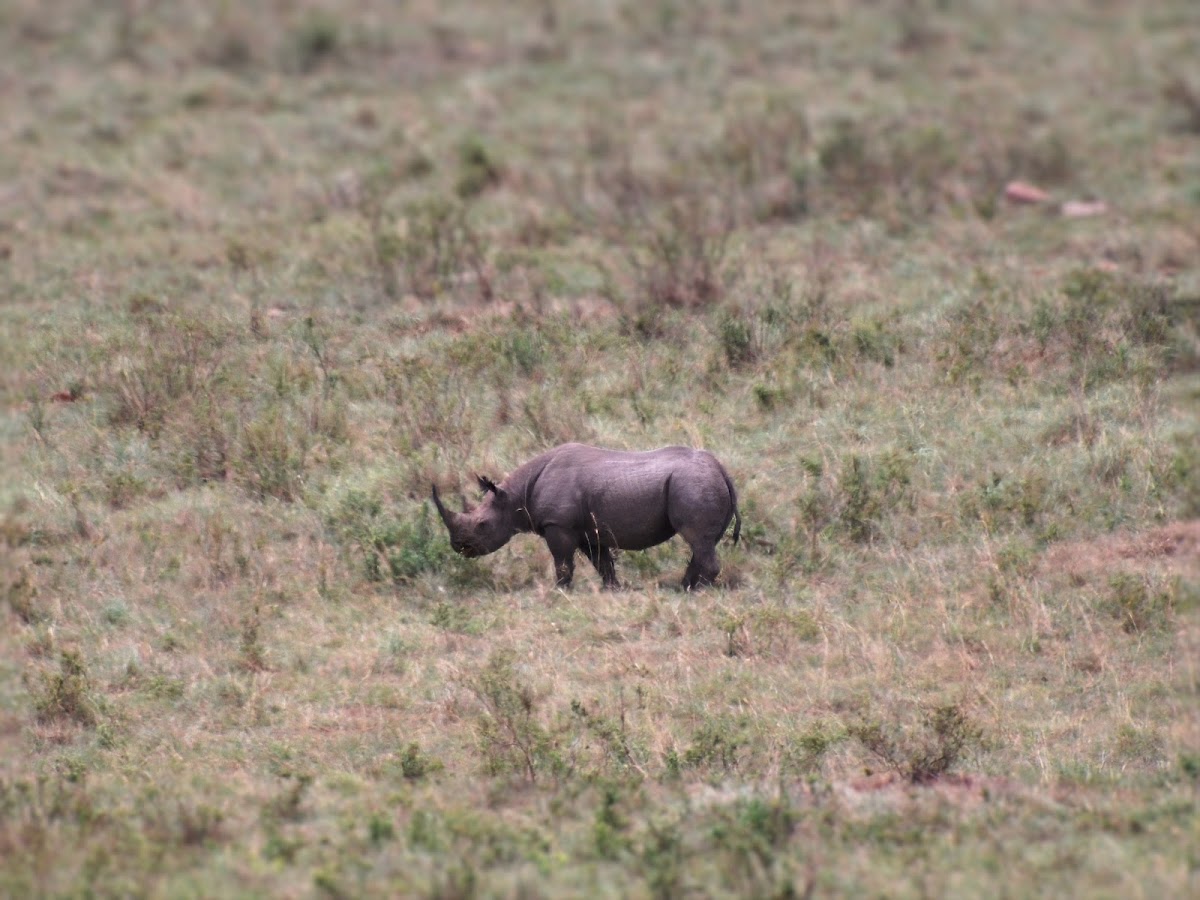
<point x="630" y="512"/>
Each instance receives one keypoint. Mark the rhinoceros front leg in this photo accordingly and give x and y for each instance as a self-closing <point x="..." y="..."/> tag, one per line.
<point x="562" y="546"/>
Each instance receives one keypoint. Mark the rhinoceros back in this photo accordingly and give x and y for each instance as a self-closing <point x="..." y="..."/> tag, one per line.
<point x="631" y="500"/>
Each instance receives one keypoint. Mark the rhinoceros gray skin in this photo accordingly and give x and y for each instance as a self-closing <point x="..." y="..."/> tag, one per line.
<point x="597" y="501"/>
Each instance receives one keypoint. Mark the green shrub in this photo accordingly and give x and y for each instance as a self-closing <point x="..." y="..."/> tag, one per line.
<point x="751" y="837"/>
<point x="873" y="342"/>
<point x="437" y="249"/>
<point x="272" y="454"/>
<point x="611" y="737"/>
<point x="524" y="348"/>
<point x="924" y="753"/>
<point x="661" y="860"/>
<point x="869" y="492"/>
<point x="1139" y="745"/>
<point x="389" y="547"/>
<point x="737" y="341"/>
<point x="253" y="656"/>
<point x="415" y="764"/>
<point x="511" y="739"/>
<point x="969" y="340"/>
<point x="67" y="693"/>
<point x="1184" y="98"/>
<point x="1137" y="605"/>
<point x="609" y="827"/>
<point x="380" y="829"/>
<point x="478" y="169"/>
<point x="674" y="234"/>
<point x="315" y="39"/>
<point x="811" y="745"/>
<point x="715" y="745"/>
<point x="172" y="362"/>
<point x="847" y="162"/>
<point x="21" y="593"/>
<point x="774" y="623"/>
<point x="455" y="616"/>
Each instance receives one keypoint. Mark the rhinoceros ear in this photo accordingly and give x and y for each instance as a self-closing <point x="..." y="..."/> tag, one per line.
<point x="488" y="485"/>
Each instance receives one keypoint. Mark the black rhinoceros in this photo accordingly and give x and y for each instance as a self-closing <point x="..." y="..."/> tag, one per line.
<point x="586" y="498"/>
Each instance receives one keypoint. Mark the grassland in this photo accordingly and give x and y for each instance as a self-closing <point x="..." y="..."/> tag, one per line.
<point x="267" y="272"/>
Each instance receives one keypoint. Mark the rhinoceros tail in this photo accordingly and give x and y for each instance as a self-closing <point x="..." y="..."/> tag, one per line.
<point x="737" y="516"/>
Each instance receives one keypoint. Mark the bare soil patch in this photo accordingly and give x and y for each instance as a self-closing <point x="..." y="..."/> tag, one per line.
<point x="1172" y="549"/>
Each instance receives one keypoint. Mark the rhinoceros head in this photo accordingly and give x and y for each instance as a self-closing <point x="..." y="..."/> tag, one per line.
<point x="484" y="529"/>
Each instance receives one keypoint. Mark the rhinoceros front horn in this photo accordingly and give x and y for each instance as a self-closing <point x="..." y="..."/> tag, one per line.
<point x="450" y="518"/>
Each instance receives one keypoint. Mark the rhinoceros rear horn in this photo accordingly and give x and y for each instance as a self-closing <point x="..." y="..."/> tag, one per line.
<point x="487" y="484"/>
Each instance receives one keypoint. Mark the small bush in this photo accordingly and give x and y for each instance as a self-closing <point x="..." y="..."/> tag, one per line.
<point x="173" y="361"/>
<point x="433" y="404"/>
<point x="21" y="593"/>
<point x="1009" y="499"/>
<point x="873" y="342"/>
<point x="968" y="341"/>
<point x="674" y="234"/>
<point x="767" y="151"/>
<point x="777" y="626"/>
<point x="438" y="249"/>
<point x="478" y="169"/>
<point x="925" y="753"/>
<point x="869" y="492"/>
<point x="753" y="834"/>
<point x="685" y="254"/>
<point x="415" y="764"/>
<point x="380" y="829"/>
<point x="454" y="617"/>
<point x="1137" y="605"/>
<point x="272" y="454"/>
<point x="288" y="804"/>
<point x="760" y="328"/>
<point x="1133" y="744"/>
<point x="199" y="449"/>
<point x="253" y="656"/>
<point x="661" y="860"/>
<point x="524" y="349"/>
<point x="511" y="740"/>
<point x="609" y="827"/>
<point x="849" y="165"/>
<point x="315" y="39"/>
<point x="182" y="824"/>
<point x="413" y="547"/>
<point x="1184" y="99"/>
<point x="810" y="747"/>
<point x="715" y="745"/>
<point x="390" y="547"/>
<point x="67" y="693"/>
<point x="229" y="43"/>
<point x="611" y="737"/>
<point x="116" y="613"/>
<point x="1043" y="158"/>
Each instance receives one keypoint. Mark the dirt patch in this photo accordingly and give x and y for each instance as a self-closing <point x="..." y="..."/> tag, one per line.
<point x="1172" y="549"/>
<point x="892" y="789"/>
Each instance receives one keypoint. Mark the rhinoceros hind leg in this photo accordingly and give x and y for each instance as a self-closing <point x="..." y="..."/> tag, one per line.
<point x="704" y="565"/>
<point x="602" y="559"/>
